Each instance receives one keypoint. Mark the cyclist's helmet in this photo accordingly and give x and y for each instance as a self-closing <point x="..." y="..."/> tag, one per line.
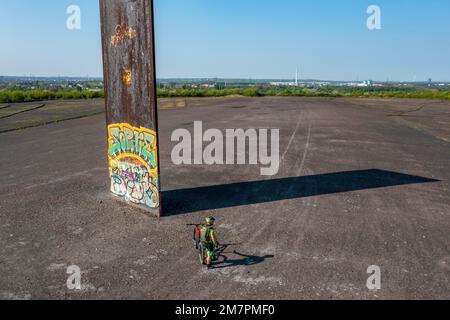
<point x="210" y="221"/>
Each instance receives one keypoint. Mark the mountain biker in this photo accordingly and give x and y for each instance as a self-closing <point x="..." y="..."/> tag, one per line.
<point x="209" y="239"/>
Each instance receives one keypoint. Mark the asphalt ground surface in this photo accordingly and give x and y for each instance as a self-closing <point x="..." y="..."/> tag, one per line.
<point x="362" y="182"/>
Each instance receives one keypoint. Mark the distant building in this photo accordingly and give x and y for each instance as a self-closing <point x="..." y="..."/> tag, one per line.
<point x="290" y="84"/>
<point x="367" y="83"/>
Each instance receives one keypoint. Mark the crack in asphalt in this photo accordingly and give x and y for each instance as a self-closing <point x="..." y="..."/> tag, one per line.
<point x="53" y="121"/>
<point x="305" y="152"/>
<point x="403" y="113"/>
<point x="23" y="111"/>
<point x="292" y="137"/>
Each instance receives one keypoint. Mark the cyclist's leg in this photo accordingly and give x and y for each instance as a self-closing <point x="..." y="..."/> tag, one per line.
<point x="209" y="254"/>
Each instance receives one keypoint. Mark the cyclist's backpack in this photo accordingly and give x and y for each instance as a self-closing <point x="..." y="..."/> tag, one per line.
<point x="205" y="234"/>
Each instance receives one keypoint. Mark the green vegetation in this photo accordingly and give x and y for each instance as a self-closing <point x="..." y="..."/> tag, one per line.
<point x="254" y="91"/>
<point x="379" y="92"/>
<point x="30" y="96"/>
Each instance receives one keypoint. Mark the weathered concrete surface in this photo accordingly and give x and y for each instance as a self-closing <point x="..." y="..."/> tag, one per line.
<point x="25" y="115"/>
<point x="19" y="116"/>
<point x="56" y="211"/>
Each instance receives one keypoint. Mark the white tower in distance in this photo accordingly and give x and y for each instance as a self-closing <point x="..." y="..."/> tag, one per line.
<point x="296" y="77"/>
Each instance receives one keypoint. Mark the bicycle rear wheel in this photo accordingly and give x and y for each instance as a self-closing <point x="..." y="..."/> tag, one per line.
<point x="201" y="253"/>
<point x="196" y="239"/>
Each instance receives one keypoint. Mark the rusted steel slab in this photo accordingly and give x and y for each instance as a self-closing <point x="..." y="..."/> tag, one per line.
<point x="131" y="107"/>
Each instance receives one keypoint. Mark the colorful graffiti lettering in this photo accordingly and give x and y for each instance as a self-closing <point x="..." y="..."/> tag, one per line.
<point x="132" y="154"/>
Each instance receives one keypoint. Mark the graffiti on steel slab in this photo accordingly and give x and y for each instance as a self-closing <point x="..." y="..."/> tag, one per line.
<point x="132" y="155"/>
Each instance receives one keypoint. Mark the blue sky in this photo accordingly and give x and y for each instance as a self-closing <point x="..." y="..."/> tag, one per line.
<point x="326" y="39"/>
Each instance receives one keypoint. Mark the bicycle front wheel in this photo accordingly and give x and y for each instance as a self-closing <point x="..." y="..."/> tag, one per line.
<point x="201" y="253"/>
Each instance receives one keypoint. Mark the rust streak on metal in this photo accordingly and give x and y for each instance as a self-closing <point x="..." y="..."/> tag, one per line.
<point x="121" y="34"/>
<point x="127" y="77"/>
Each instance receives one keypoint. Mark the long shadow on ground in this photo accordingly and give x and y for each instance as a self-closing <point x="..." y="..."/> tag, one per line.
<point x="244" y="260"/>
<point x="238" y="194"/>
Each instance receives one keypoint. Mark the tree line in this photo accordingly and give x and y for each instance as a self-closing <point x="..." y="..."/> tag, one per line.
<point x="384" y="92"/>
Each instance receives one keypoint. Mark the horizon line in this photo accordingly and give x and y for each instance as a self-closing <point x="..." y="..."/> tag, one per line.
<point x="225" y="78"/>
